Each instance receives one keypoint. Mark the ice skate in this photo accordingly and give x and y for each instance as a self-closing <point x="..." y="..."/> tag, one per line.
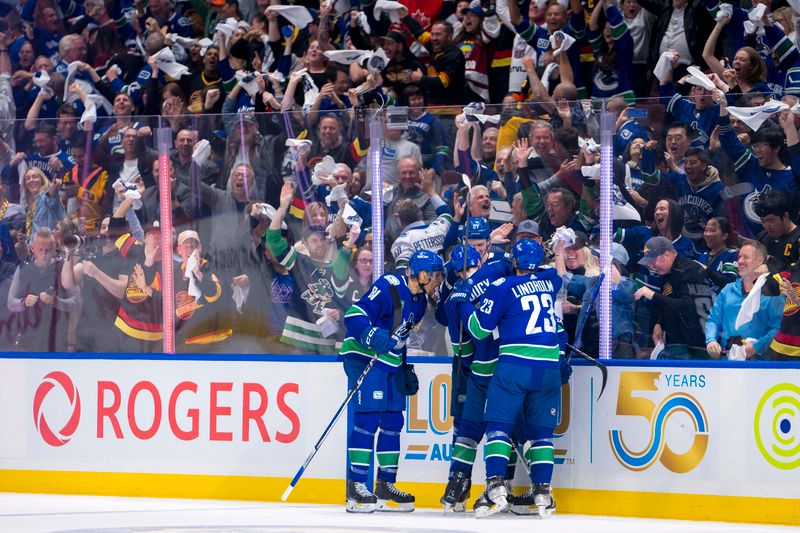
<point x="496" y="495"/>
<point x="392" y="499"/>
<point x="359" y="498"/>
<point x="510" y="498"/>
<point x="524" y="505"/>
<point x="543" y="499"/>
<point x="457" y="491"/>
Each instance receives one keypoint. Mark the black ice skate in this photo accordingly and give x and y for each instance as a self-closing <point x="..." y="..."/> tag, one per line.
<point x="359" y="498"/>
<point x="392" y="499"/>
<point x="456" y="492"/>
<point x="496" y="494"/>
<point x="523" y="504"/>
<point x="543" y="499"/>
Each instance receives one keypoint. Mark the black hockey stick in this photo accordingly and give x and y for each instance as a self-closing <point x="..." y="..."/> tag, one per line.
<point x="465" y="216"/>
<point x="595" y="362"/>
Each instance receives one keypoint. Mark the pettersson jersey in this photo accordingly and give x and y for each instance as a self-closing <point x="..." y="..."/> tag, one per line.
<point x="523" y="310"/>
<point x="376" y="309"/>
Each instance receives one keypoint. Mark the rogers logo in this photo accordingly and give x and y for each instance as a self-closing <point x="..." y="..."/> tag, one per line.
<point x="49" y="382"/>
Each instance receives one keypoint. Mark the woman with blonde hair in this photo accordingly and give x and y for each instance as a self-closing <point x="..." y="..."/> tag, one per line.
<point x="44" y="206"/>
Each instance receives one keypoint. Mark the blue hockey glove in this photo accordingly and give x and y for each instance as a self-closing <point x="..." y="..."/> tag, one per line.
<point x="378" y="339"/>
<point x="461" y="292"/>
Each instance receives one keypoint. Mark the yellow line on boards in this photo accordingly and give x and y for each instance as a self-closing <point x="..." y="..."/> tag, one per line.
<point x="331" y="491"/>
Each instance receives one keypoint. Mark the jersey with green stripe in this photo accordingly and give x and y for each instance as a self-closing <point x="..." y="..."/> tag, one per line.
<point x="376" y="309"/>
<point x="522" y="308"/>
<point x="480" y="355"/>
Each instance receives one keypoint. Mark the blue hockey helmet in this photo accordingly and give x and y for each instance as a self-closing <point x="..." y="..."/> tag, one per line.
<point x="464" y="254"/>
<point x="478" y="228"/>
<point x="528" y="254"/>
<point x="425" y="261"/>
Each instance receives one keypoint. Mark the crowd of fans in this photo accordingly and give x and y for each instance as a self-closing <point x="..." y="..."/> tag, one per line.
<point x="264" y="108"/>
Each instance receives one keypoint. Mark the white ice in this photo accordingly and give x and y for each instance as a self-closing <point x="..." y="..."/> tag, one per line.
<point x="32" y="513"/>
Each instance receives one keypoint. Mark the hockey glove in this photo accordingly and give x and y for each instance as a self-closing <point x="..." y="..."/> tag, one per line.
<point x="378" y="339"/>
<point x="461" y="292"/>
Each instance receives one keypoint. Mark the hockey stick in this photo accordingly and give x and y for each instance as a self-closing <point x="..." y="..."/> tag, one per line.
<point x="465" y="179"/>
<point x="595" y="362"/>
<point x="592" y="298"/>
<point x="579" y="332"/>
<point x="328" y="429"/>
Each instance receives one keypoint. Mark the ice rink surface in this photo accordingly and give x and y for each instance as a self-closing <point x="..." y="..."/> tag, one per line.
<point x="29" y="513"/>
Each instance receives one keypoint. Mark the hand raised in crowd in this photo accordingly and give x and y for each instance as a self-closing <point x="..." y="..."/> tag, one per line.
<point x="287" y="194"/>
<point x="529" y="64"/>
<point x="499" y="189"/>
<point x="58" y="166"/>
<point x="426" y="181"/>
<point x="212" y="97"/>
<point x="500" y="234"/>
<point x="458" y="209"/>
<point x="522" y="151"/>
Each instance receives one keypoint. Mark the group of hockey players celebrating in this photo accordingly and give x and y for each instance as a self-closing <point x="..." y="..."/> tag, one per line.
<point x="506" y="387"/>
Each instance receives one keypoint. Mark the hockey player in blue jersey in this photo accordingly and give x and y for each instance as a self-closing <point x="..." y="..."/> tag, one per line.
<point x="527" y="375"/>
<point x="377" y="326"/>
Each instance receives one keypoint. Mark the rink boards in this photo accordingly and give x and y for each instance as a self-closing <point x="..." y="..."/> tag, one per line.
<point x="713" y="442"/>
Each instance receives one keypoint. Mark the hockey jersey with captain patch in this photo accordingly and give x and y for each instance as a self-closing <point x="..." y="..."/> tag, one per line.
<point x="523" y="310"/>
<point x="376" y="309"/>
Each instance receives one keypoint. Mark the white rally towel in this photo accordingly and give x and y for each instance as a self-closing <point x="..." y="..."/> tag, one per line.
<point x="86" y="87"/>
<point x="337" y="193"/>
<point x="589" y="145"/>
<point x="591" y="172"/>
<point x="390" y="8"/>
<point x="251" y="85"/>
<point x="188" y="273"/>
<point x="563" y="234"/>
<point x="204" y="43"/>
<point x="567" y="41"/>
<point x="754" y="117"/>
<point x="347" y="57"/>
<point x="698" y="78"/>
<point x="201" y="152"/>
<point x="165" y="60"/>
<point x="323" y="169"/>
<point x="227" y="27"/>
<point x="41" y="78"/>
<point x="664" y="65"/>
<point x="90" y="109"/>
<point x="186" y="42"/>
<point x="754" y="22"/>
<point x="350" y="216"/>
<point x="546" y="75"/>
<point x="269" y="211"/>
<point x="301" y="145"/>
<point x="725" y="11"/>
<point x="751" y="303"/>
<point x="296" y="15"/>
<point x="483" y="119"/>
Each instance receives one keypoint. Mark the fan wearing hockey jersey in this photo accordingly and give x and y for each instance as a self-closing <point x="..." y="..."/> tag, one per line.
<point x="377" y="327"/>
<point x="781" y="235"/>
<point x="527" y="377"/>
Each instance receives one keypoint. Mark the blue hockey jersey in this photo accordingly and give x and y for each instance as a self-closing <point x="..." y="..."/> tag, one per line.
<point x="376" y="309"/>
<point x="523" y="310"/>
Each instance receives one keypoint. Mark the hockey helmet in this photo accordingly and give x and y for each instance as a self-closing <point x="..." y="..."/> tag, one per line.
<point x="464" y="255"/>
<point x="425" y="261"/>
<point x="477" y="228"/>
<point x="528" y="254"/>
